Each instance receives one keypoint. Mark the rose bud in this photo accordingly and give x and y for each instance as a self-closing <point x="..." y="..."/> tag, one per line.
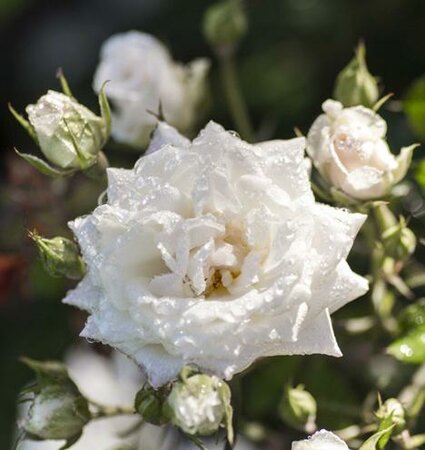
<point x="200" y="404"/>
<point x="69" y="135"/>
<point x="355" y="85"/>
<point x="225" y="23"/>
<point x="57" y="409"/>
<point x="298" y="409"/>
<point x="149" y="403"/>
<point x="60" y="256"/>
<point x="391" y="412"/>
<point x="349" y="149"/>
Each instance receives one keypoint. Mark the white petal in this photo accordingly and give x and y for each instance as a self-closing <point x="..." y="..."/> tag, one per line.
<point x="165" y="134"/>
<point x="321" y="440"/>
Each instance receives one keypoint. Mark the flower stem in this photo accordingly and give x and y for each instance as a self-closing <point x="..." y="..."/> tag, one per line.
<point x="234" y="96"/>
<point x="110" y="411"/>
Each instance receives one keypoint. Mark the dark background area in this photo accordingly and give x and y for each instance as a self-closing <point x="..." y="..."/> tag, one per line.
<point x="287" y="65"/>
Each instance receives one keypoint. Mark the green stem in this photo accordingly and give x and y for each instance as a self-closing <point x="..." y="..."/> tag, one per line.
<point x="234" y="96"/>
<point x="111" y="411"/>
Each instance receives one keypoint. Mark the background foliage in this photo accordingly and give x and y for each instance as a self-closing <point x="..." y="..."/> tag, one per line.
<point x="288" y="64"/>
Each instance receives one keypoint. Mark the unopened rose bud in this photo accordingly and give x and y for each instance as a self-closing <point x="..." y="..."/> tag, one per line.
<point x="69" y="135"/>
<point x="60" y="256"/>
<point x="56" y="413"/>
<point x="225" y="23"/>
<point x="149" y="403"/>
<point x="199" y="404"/>
<point x="355" y="85"/>
<point x="298" y="409"/>
<point x="391" y="412"/>
<point x="57" y="410"/>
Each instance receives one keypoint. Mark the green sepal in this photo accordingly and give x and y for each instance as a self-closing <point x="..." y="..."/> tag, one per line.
<point x="47" y="371"/>
<point x="105" y="109"/>
<point x="70" y="442"/>
<point x="225" y="395"/>
<point x="44" y="167"/>
<point x="378" y="105"/>
<point x="64" y="83"/>
<point x="373" y="442"/>
<point x="404" y="159"/>
<point x="24" y="123"/>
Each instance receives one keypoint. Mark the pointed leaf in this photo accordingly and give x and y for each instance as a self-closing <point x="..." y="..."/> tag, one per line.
<point x="64" y="83"/>
<point x="43" y="166"/>
<point x="24" y="123"/>
<point x="372" y="442"/>
<point x="105" y="109"/>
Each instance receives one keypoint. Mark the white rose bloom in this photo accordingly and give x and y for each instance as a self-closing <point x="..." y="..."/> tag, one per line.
<point x="321" y="440"/>
<point x="214" y="253"/>
<point x="142" y="75"/>
<point x="348" y="147"/>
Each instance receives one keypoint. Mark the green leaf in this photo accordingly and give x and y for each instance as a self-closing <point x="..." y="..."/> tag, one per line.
<point x="24" y="123"/>
<point x="412" y="317"/>
<point x="414" y="106"/>
<point x="410" y="348"/>
<point x="420" y="173"/>
<point x="373" y="442"/>
<point x="105" y="109"/>
<point x="43" y="166"/>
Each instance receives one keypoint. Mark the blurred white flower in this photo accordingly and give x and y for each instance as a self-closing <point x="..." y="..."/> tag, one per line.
<point x="348" y="147"/>
<point x="109" y="381"/>
<point x="321" y="440"/>
<point x="142" y="76"/>
<point x="114" y="382"/>
<point x="214" y="253"/>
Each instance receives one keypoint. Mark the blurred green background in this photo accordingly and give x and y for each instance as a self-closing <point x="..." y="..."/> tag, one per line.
<point x="287" y="66"/>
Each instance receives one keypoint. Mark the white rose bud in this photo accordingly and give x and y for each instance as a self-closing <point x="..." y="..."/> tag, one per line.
<point x="197" y="404"/>
<point x="348" y="147"/>
<point x="58" y="410"/>
<point x="69" y="135"/>
<point x="56" y="414"/>
<point x="322" y="440"/>
<point x="145" y="80"/>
